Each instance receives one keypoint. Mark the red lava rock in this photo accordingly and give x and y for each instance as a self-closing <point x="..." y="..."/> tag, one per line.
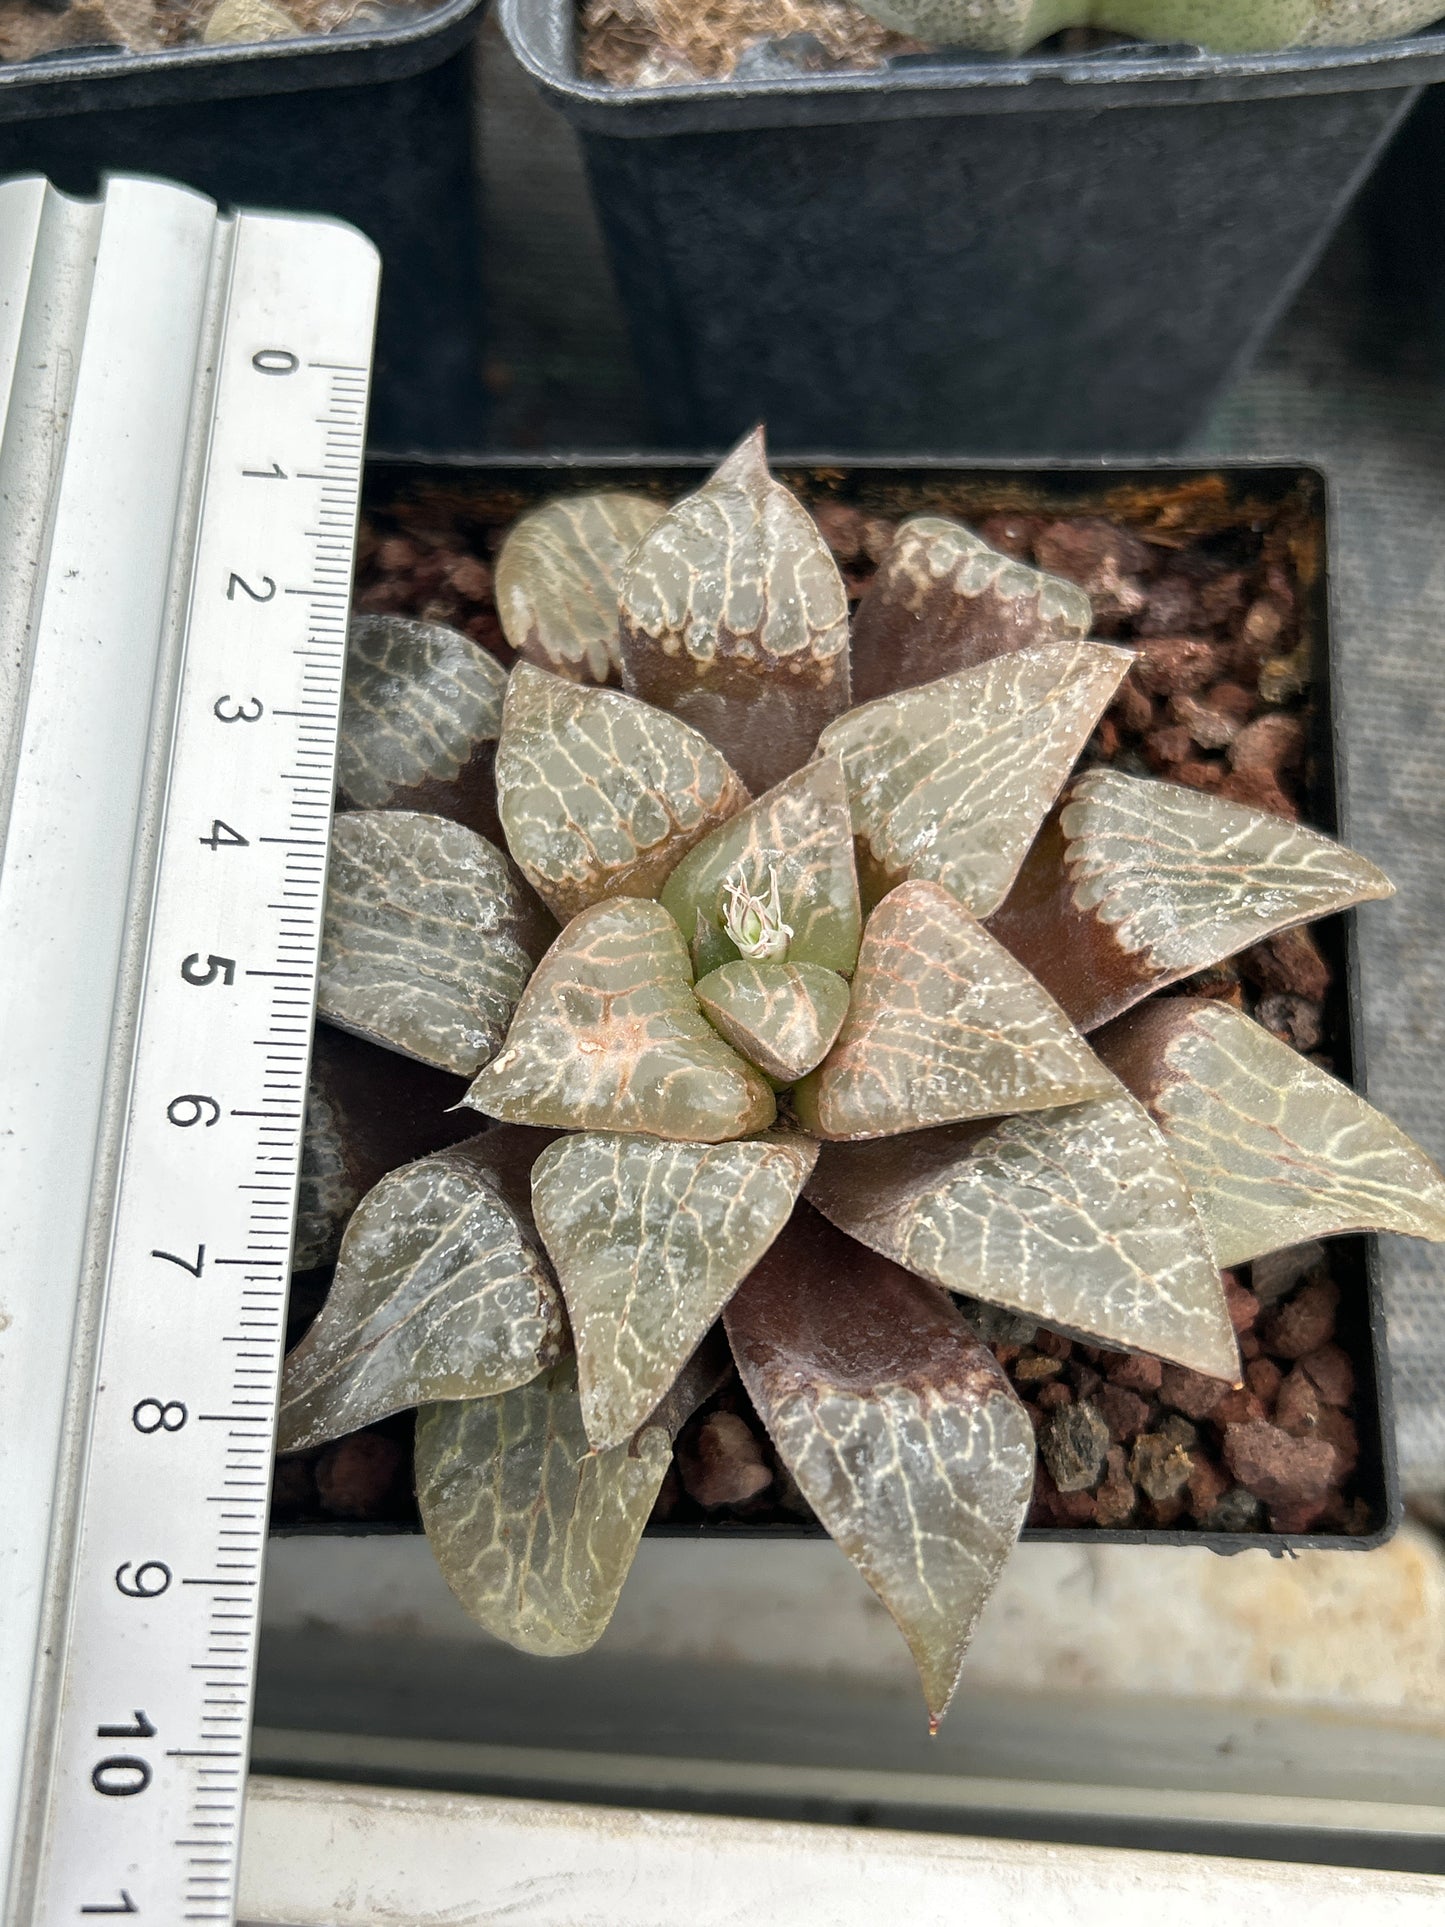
<point x="1054" y="1508"/>
<point x="1197" y="775"/>
<point x="1007" y="1355"/>
<point x="1134" y="1371"/>
<point x="1084" y="1379"/>
<point x="1232" y="700"/>
<point x="1296" y="1021"/>
<point x="1052" y="1344"/>
<point x="1133" y="707"/>
<point x="1176" y="665"/>
<point x="1303" y="1323"/>
<point x="1259" y="634"/>
<point x="1191" y="1392"/>
<point x="1125" y="1413"/>
<point x="469" y="577"/>
<point x="1101" y="558"/>
<point x="1011" y="534"/>
<point x="1281" y="1470"/>
<point x="1258" y="789"/>
<point x="1242" y="1303"/>
<point x="396" y="554"/>
<point x="1264" y="1378"/>
<point x="1171" y="607"/>
<point x="1249" y="1346"/>
<point x="1107" y="740"/>
<point x="1297" y="1409"/>
<point x="878" y="533"/>
<point x="1211" y="728"/>
<point x="1237" y="1408"/>
<point x="1223" y="599"/>
<point x="1166" y="1512"/>
<point x="1166" y="747"/>
<point x="1270" y="743"/>
<point x="1290" y="961"/>
<point x="1207" y="1484"/>
<point x="1303" y="1516"/>
<point x="842" y="528"/>
<point x="1116" y="1500"/>
<point x="357" y="1477"/>
<point x="725" y="1463"/>
<point x="1338" y="1430"/>
<point x="1054" y="1395"/>
<point x="1351" y="1516"/>
<point x="1331" y="1373"/>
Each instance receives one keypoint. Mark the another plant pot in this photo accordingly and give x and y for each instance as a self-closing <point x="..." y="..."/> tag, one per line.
<point x="1044" y="255"/>
<point x="374" y="128"/>
<point x="444" y="514"/>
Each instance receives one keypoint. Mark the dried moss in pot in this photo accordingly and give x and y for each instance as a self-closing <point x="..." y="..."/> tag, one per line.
<point x="969" y="1153"/>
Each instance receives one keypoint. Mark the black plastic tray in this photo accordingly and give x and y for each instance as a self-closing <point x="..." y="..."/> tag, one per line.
<point x="912" y="486"/>
<point x="1049" y="255"/>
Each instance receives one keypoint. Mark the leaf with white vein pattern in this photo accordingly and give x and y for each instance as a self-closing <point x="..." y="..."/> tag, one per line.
<point x="900" y="1428"/>
<point x="440" y="1293"/>
<point x="649" y="1241"/>
<point x="534" y="1532"/>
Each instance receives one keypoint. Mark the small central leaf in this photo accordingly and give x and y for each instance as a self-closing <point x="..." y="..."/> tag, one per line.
<point x="650" y="1240"/>
<point x="799" y="836"/>
<point x="783" y="1017"/>
<point x="608" y="1037"/>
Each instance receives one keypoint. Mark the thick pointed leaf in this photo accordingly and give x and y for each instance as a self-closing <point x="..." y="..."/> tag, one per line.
<point x="441" y="1292"/>
<point x="950" y="782"/>
<point x="943" y="1026"/>
<point x="428" y="938"/>
<point x="558" y="577"/>
<point x="1078" y="1218"/>
<point x="782" y="1017"/>
<point x="734" y="618"/>
<point x="1134" y="884"/>
<point x="1275" y="1150"/>
<point x="901" y="1430"/>
<point x="599" y="795"/>
<point x="649" y="1241"/>
<point x="608" y="1037"/>
<point x="943" y="600"/>
<point x="533" y="1531"/>
<point x="799" y="835"/>
<point x="367" y="1111"/>
<point x="420" y="721"/>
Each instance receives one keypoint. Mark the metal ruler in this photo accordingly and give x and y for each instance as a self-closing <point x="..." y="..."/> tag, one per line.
<point x="184" y="397"/>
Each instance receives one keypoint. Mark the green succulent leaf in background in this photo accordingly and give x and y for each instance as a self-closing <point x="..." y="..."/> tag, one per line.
<point x="962" y="1063"/>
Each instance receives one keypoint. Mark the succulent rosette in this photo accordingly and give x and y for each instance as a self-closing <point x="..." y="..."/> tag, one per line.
<point x="813" y="1002"/>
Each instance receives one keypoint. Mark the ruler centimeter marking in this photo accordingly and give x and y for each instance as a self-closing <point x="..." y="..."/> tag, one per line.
<point x="139" y="1809"/>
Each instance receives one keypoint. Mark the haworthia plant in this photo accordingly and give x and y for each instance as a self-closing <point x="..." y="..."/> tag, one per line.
<point x="974" y="1143"/>
<point x="1224" y="26"/>
<point x="557" y="580"/>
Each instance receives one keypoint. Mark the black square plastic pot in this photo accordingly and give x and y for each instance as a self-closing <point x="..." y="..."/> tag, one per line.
<point x="1050" y="255"/>
<point x="374" y="128"/>
<point x="493" y="491"/>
